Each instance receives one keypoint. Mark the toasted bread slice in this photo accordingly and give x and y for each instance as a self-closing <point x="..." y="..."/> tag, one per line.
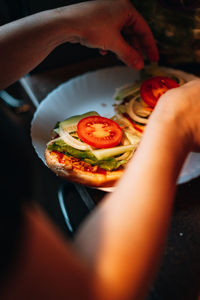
<point x="76" y="170"/>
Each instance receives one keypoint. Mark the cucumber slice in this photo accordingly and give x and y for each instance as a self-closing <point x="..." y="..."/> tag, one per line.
<point x="123" y="92"/>
<point x="133" y="139"/>
<point x="111" y="152"/>
<point x="70" y="124"/>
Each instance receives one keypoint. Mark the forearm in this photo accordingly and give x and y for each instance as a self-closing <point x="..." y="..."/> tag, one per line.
<point x="45" y="265"/>
<point x="26" y="42"/>
<point x="132" y="222"/>
<point x="119" y="246"/>
<point x="97" y="24"/>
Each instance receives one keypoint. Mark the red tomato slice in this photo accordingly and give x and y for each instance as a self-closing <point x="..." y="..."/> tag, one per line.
<point x="99" y="132"/>
<point x="151" y="89"/>
<point x="138" y="127"/>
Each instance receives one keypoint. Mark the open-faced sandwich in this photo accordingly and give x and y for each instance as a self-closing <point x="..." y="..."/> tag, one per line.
<point x="135" y="102"/>
<point x="90" y="149"/>
<point x="94" y="150"/>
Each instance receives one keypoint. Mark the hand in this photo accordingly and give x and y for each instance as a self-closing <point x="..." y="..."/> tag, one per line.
<point x="112" y="25"/>
<point x="115" y="25"/>
<point x="181" y="107"/>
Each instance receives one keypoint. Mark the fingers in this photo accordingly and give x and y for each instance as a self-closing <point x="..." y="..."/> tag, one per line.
<point x="135" y="43"/>
<point x="142" y="31"/>
<point x="127" y="54"/>
<point x="136" y="39"/>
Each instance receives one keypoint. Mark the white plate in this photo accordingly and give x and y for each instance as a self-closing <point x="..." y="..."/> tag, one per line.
<point x="92" y="91"/>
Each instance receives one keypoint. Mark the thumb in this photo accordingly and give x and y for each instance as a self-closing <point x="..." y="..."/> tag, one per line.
<point x="127" y="54"/>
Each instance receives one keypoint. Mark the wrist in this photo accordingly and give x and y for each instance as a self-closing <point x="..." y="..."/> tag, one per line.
<point x="60" y="25"/>
<point x="171" y="117"/>
<point x="167" y="142"/>
<point x="73" y="21"/>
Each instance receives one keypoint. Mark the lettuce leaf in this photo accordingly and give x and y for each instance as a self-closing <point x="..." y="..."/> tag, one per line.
<point x="87" y="156"/>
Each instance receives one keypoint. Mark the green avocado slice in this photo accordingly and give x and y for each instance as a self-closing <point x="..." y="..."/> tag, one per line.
<point x="109" y="163"/>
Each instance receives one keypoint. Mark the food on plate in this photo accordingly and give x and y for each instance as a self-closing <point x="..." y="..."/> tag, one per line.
<point x="99" y="132"/>
<point x="137" y="101"/>
<point x="152" y="88"/>
<point x="93" y="150"/>
<point x="90" y="149"/>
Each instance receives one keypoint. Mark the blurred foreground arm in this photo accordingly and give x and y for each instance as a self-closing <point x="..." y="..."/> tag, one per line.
<point x="112" y="25"/>
<point x="117" y="250"/>
<point x="124" y="238"/>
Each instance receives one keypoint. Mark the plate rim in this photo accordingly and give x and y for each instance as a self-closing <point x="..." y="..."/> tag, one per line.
<point x="181" y="179"/>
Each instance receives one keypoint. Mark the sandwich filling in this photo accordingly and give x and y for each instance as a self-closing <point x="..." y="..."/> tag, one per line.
<point x="137" y="101"/>
<point x="95" y="144"/>
<point x="92" y="143"/>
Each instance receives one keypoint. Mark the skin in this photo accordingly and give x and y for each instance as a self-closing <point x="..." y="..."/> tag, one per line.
<point x="137" y="213"/>
<point x="97" y="260"/>
<point x="26" y="42"/>
<point x="116" y="253"/>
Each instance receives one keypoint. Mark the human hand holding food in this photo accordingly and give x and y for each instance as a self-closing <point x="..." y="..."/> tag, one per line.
<point x="116" y="25"/>
<point x="181" y="107"/>
<point x="112" y="25"/>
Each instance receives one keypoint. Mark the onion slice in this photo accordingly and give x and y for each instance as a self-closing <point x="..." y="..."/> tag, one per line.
<point x="68" y="139"/>
<point x="132" y="114"/>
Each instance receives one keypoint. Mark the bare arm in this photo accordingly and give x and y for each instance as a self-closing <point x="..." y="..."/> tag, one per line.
<point x="122" y="240"/>
<point x="99" y="24"/>
<point x="118" y="249"/>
